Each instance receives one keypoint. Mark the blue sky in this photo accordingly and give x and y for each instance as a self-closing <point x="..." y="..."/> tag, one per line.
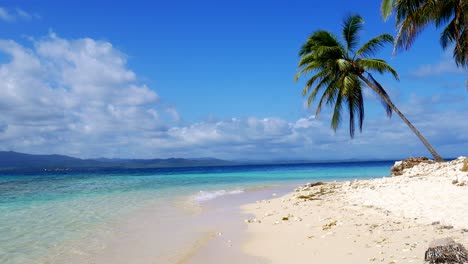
<point x="205" y="78"/>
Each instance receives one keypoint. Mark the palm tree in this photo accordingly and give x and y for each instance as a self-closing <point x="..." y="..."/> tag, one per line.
<point x="412" y="16"/>
<point x="341" y="70"/>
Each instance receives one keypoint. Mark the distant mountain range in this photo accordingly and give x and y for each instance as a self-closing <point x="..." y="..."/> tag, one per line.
<point x="15" y="161"/>
<point x="10" y="160"/>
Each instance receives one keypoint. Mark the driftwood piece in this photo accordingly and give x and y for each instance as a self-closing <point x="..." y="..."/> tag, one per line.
<point x="446" y="250"/>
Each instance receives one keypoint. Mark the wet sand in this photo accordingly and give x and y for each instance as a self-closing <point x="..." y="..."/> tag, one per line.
<point x="176" y="231"/>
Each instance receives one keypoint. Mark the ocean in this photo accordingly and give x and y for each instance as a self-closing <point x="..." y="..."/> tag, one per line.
<point x="52" y="217"/>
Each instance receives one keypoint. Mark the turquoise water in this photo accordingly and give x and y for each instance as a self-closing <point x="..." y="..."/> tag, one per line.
<point x="42" y="212"/>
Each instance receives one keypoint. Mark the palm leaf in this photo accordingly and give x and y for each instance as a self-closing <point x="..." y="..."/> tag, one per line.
<point x="377" y="65"/>
<point x="386" y="8"/>
<point x="328" y="95"/>
<point x="336" y="118"/>
<point x="382" y="94"/>
<point x="317" y="77"/>
<point x="373" y="45"/>
<point x="344" y="65"/>
<point x="351" y="25"/>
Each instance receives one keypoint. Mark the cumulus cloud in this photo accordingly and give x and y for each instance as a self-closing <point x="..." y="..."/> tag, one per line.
<point x="445" y="65"/>
<point x="12" y="15"/>
<point x="73" y="96"/>
<point x="78" y="97"/>
<point x="310" y="138"/>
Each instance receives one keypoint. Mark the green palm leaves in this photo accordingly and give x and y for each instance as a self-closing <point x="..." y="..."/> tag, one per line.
<point x="412" y="16"/>
<point x="339" y="70"/>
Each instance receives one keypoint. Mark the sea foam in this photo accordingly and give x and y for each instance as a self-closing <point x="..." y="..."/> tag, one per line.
<point x="205" y="196"/>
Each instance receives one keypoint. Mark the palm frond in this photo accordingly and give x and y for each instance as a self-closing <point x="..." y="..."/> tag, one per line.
<point x="351" y="25"/>
<point x="456" y="35"/>
<point x="377" y="65"/>
<point x="336" y="72"/>
<point x="336" y="118"/>
<point x="386" y="8"/>
<point x="356" y="109"/>
<point x="344" y="65"/>
<point x="382" y="94"/>
<point x="320" y="77"/>
<point x="447" y="37"/>
<point x="355" y="104"/>
<point x="407" y="32"/>
<point x="444" y="11"/>
<point x="373" y="45"/>
<point x="306" y="68"/>
<point x="328" y="95"/>
<point x="412" y="16"/>
<point x="317" y="39"/>
<point x="461" y="55"/>
<point x="348" y="84"/>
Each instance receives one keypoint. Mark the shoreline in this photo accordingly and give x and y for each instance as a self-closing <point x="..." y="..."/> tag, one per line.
<point x="230" y="231"/>
<point x="189" y="232"/>
<point x="136" y="217"/>
<point x="380" y="220"/>
<point x="383" y="220"/>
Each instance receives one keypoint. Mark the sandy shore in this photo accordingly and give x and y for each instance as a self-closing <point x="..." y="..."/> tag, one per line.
<point x="388" y="220"/>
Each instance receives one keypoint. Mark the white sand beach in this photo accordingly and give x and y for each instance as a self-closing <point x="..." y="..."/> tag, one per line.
<point x="387" y="220"/>
<point x="383" y="220"/>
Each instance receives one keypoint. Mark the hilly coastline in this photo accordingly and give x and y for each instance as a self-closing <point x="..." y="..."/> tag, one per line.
<point x="11" y="161"/>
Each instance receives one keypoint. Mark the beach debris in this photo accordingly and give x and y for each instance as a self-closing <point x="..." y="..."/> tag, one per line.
<point x="314" y="184"/>
<point x="308" y="197"/>
<point x="307" y="186"/>
<point x="446" y="227"/>
<point x="255" y="220"/>
<point x="381" y="241"/>
<point x="446" y="250"/>
<point x="286" y="218"/>
<point x="329" y="225"/>
<point x="314" y="194"/>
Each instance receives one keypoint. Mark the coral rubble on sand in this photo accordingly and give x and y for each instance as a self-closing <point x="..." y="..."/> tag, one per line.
<point x="423" y="167"/>
<point x="384" y="220"/>
<point x="402" y="165"/>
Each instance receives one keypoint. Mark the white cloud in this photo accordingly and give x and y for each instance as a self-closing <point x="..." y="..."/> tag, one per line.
<point x="445" y="65"/>
<point x="12" y="15"/>
<point x="78" y="97"/>
<point x="68" y="95"/>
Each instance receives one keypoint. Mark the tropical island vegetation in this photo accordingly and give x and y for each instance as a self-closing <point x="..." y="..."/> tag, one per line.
<point x="342" y="69"/>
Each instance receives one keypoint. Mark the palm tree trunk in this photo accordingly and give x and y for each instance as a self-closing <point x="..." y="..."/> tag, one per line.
<point x="436" y="156"/>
